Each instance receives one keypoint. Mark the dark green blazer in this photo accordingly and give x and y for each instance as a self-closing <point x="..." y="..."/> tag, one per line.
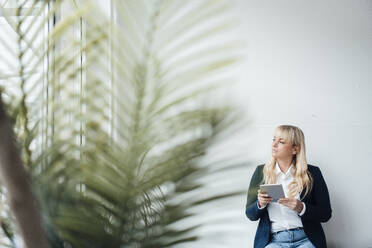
<point x="318" y="209"/>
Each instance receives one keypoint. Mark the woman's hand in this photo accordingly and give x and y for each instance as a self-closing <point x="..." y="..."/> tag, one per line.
<point x="292" y="203"/>
<point x="263" y="199"/>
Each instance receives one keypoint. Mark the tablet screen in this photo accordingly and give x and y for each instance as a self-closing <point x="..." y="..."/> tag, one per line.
<point x="275" y="191"/>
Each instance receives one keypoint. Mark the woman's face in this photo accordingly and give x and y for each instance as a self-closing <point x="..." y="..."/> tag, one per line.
<point x="281" y="148"/>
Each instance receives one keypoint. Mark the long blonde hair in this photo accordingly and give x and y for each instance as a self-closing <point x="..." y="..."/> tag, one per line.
<point x="301" y="177"/>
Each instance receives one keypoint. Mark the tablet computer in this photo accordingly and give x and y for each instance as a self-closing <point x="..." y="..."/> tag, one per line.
<point x="275" y="191"/>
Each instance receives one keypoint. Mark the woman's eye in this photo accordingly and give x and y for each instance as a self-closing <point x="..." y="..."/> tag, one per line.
<point x="281" y="142"/>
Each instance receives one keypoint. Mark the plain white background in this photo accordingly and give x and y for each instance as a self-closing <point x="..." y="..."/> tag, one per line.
<point x="309" y="63"/>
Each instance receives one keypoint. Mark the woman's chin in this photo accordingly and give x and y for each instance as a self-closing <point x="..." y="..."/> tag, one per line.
<point x="275" y="155"/>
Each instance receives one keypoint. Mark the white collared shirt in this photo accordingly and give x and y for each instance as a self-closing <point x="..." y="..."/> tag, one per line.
<point x="282" y="217"/>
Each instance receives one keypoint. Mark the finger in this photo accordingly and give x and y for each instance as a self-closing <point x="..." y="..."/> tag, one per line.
<point x="267" y="200"/>
<point x="262" y="200"/>
<point x="287" y="204"/>
<point x="283" y="201"/>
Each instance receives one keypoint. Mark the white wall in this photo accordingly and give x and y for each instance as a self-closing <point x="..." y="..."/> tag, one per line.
<point x="309" y="63"/>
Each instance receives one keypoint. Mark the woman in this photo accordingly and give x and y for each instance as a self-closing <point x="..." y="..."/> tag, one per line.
<point x="293" y="221"/>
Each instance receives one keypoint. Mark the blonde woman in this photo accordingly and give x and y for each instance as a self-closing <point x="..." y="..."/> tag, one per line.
<point x="293" y="221"/>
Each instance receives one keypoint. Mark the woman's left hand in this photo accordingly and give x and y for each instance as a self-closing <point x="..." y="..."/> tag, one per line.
<point x="292" y="203"/>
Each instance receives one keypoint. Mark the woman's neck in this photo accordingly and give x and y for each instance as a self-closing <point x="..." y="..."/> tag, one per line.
<point x="284" y="164"/>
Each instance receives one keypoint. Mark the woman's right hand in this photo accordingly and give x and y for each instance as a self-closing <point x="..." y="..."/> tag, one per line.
<point x="263" y="199"/>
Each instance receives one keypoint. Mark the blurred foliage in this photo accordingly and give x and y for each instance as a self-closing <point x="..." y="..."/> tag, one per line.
<point x="111" y="116"/>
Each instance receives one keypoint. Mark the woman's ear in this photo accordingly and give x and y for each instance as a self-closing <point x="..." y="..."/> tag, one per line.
<point x="296" y="149"/>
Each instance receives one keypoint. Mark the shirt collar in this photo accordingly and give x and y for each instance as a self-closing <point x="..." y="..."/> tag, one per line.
<point x="278" y="171"/>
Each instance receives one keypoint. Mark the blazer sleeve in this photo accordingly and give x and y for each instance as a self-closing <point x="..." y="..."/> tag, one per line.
<point x="320" y="209"/>
<point x="252" y="211"/>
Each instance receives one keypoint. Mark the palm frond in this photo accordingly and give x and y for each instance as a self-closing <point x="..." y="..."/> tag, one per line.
<point x="112" y="128"/>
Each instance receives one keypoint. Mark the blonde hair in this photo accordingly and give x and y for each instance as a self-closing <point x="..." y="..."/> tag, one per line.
<point x="301" y="177"/>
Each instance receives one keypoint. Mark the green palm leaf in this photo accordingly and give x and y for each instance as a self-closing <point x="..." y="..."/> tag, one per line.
<point x="112" y="129"/>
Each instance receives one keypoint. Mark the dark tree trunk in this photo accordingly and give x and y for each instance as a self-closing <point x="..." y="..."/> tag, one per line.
<point x="16" y="180"/>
